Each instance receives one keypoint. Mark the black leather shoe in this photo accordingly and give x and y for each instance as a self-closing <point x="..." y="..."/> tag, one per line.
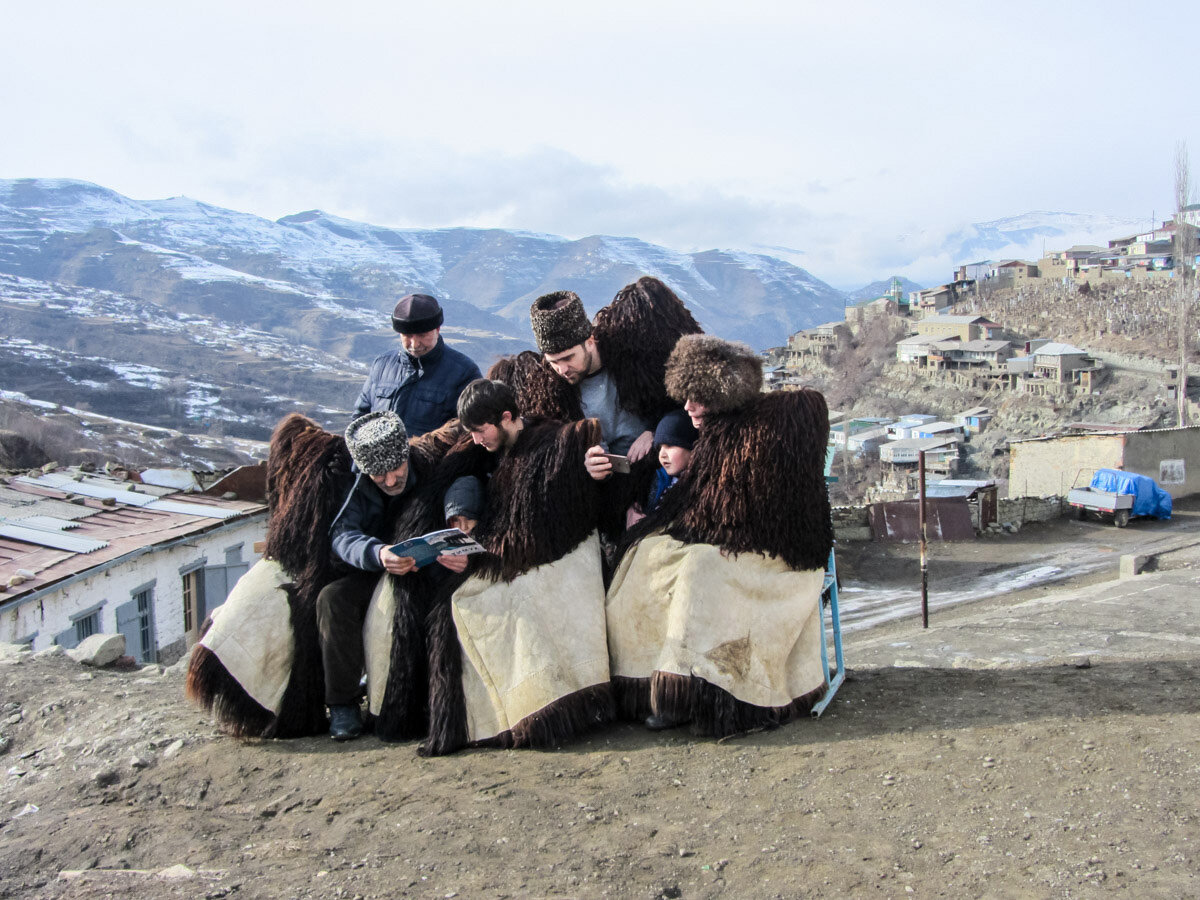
<point x="345" y="723"/>
<point x="662" y="723"/>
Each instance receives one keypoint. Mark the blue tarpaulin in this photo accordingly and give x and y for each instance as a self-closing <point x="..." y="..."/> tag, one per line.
<point x="1148" y="498"/>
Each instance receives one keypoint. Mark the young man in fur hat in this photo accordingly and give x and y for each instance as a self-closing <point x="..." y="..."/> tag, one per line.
<point x="384" y="485"/>
<point x="614" y="367"/>
<point x="714" y="609"/>
<point x="564" y="335"/>
<point x="419" y="381"/>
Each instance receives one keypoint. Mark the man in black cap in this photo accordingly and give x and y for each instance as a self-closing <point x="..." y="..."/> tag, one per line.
<point x="421" y="380"/>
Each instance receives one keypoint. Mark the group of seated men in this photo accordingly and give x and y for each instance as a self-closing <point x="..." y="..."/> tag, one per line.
<point x="682" y="592"/>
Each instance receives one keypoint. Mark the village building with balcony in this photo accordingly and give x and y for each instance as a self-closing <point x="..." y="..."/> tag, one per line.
<point x="941" y="455"/>
<point x="813" y="342"/>
<point x="914" y="350"/>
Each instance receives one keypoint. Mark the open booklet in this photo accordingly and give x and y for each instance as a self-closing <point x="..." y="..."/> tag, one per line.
<point x="426" y="548"/>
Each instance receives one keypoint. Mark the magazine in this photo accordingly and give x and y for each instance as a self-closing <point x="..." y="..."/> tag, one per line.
<point x="426" y="548"/>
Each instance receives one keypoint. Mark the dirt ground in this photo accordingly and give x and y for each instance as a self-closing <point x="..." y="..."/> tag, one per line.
<point x="1035" y="781"/>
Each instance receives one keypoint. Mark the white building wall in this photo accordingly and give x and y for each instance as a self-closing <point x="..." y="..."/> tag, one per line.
<point x="55" y="611"/>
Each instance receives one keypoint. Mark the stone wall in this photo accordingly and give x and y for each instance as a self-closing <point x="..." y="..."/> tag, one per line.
<point x="1021" y="510"/>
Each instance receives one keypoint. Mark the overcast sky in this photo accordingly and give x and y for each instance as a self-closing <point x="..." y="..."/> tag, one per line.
<point x="855" y="135"/>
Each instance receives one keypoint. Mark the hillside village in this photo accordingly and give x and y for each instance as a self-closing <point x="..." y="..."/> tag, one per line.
<point x="1080" y="342"/>
<point x="989" y="377"/>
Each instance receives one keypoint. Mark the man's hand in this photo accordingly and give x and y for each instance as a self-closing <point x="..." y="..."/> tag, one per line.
<point x="397" y="565"/>
<point x="640" y="447"/>
<point x="597" y="464"/>
<point x="456" y="564"/>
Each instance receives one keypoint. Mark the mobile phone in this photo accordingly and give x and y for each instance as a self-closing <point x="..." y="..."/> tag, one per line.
<point x="620" y="464"/>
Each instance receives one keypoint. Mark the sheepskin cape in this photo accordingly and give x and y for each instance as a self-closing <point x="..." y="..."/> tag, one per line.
<point x="516" y="648"/>
<point x="746" y="624"/>
<point x="714" y="609"/>
<point x="258" y="667"/>
<point x="527" y="644"/>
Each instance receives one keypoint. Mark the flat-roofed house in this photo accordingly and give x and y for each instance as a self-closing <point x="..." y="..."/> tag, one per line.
<point x="965" y="328"/>
<point x="914" y="350"/>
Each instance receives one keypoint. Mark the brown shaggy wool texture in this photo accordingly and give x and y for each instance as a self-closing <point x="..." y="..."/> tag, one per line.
<point x="540" y="391"/>
<point x="307" y="468"/>
<point x="756" y="483"/>
<point x="714" y="712"/>
<point x="404" y="711"/>
<point x="635" y="334"/>
<point x="541" y="506"/>
<point x="211" y="686"/>
<point x="722" y="375"/>
<point x="541" y="503"/>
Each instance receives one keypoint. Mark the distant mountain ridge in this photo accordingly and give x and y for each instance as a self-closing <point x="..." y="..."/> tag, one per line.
<point x="355" y="271"/>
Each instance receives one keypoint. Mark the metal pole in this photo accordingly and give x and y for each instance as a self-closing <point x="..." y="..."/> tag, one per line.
<point x="921" y="525"/>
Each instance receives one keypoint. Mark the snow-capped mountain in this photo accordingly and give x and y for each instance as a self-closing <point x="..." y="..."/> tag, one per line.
<point x="183" y="315"/>
<point x="1028" y="236"/>
<point x="355" y="271"/>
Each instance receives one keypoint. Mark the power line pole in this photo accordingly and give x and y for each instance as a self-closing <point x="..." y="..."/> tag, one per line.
<point x="1184" y="258"/>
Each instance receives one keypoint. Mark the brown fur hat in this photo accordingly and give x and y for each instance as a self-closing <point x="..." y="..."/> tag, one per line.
<point x="559" y="321"/>
<point x="722" y="375"/>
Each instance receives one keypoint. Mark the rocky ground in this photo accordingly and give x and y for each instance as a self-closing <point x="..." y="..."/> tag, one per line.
<point x="1053" y="779"/>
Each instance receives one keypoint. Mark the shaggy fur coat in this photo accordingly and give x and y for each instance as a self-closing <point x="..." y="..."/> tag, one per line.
<point x="541" y="505"/>
<point x="308" y="473"/>
<point x="756" y="484"/>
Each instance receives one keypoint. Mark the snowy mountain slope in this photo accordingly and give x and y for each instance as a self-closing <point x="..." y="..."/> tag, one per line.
<point x="488" y="276"/>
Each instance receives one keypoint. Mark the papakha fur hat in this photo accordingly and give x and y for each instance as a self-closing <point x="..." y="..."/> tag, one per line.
<point x="722" y="375"/>
<point x="378" y="442"/>
<point x="559" y="321"/>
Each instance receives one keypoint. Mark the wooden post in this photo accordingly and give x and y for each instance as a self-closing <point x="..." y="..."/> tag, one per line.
<point x="921" y="526"/>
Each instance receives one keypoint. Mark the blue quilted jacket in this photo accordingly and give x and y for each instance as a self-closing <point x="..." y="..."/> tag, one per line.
<point x="423" y="392"/>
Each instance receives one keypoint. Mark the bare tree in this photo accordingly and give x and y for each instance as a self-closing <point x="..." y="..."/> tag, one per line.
<point x="1185" y="255"/>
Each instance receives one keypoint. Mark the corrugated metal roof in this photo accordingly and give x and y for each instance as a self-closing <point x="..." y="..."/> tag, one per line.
<point x="1077" y="436"/>
<point x="142" y="497"/>
<point x="1056" y="349"/>
<point x="193" y="509"/>
<point x="36" y="517"/>
<point x="45" y="523"/>
<point x="55" y="540"/>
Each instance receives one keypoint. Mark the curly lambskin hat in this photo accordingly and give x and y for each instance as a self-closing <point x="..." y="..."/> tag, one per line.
<point x="417" y="314"/>
<point x="378" y="442"/>
<point x="559" y="321"/>
<point x="722" y="375"/>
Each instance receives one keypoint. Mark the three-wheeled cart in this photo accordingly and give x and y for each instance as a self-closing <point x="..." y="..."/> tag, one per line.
<point x="1117" y="495"/>
<point x="1087" y="500"/>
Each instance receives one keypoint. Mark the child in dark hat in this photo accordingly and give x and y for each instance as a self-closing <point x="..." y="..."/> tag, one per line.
<point x="674" y="439"/>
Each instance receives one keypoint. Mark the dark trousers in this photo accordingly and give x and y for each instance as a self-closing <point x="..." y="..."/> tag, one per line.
<point x="341" y="609"/>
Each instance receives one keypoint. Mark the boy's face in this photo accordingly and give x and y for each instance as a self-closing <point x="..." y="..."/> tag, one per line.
<point x="496" y="437"/>
<point x="674" y="460"/>
<point x="489" y="437"/>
